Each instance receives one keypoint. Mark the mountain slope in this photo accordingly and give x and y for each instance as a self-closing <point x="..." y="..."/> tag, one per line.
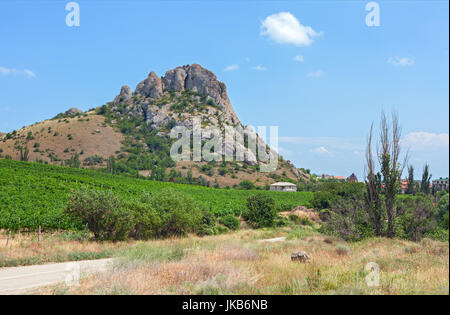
<point x="134" y="129"/>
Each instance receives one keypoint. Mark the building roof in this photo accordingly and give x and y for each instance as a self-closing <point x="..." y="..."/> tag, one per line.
<point x="283" y="184"/>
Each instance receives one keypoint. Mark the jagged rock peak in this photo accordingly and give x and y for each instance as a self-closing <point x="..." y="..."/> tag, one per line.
<point x="150" y="87"/>
<point x="188" y="77"/>
<point x="124" y="95"/>
<point x="174" y="80"/>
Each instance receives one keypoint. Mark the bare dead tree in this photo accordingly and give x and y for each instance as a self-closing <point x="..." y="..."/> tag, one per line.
<point x="391" y="168"/>
<point x="373" y="186"/>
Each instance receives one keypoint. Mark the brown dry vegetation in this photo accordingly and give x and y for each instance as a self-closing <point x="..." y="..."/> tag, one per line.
<point x="88" y="135"/>
<point x="240" y="264"/>
<point x="24" y="249"/>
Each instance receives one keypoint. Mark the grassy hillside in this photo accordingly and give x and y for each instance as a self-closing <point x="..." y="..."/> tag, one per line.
<point x="37" y="193"/>
<point x="56" y="140"/>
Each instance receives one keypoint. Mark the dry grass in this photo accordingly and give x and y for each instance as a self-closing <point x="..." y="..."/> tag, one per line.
<point x="238" y="264"/>
<point x="24" y="249"/>
<point x="90" y="136"/>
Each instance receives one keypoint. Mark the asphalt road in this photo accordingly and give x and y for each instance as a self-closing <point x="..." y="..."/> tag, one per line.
<point x="20" y="280"/>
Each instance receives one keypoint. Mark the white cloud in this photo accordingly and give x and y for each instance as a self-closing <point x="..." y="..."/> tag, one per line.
<point x="247" y="59"/>
<point x="285" y="28"/>
<point x="299" y="58"/>
<point x="316" y="74"/>
<point x="348" y="144"/>
<point x="320" y="150"/>
<point x="401" y="61"/>
<point x="259" y="68"/>
<point x="15" y="72"/>
<point x="422" y="140"/>
<point x="231" y="68"/>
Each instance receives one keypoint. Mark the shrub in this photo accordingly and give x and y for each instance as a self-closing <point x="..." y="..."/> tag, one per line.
<point x="246" y="185"/>
<point x="146" y="220"/>
<point x="261" y="211"/>
<point x="177" y="212"/>
<point x="207" y="225"/>
<point x="415" y="217"/>
<point x="342" y="250"/>
<point x="300" y="220"/>
<point x="323" y="200"/>
<point x="223" y="171"/>
<point x="442" y="211"/>
<point x="103" y="212"/>
<point x="93" y="160"/>
<point x="280" y="221"/>
<point x="348" y="220"/>
<point x="325" y="215"/>
<point x="230" y="222"/>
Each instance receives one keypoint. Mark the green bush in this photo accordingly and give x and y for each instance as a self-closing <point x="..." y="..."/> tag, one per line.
<point x="442" y="211"/>
<point x="230" y="222"/>
<point x="246" y="185"/>
<point x="300" y="220"/>
<point x="93" y="160"/>
<point x="103" y="212"/>
<point x="177" y="212"/>
<point x="325" y="214"/>
<point x="280" y="221"/>
<point x="323" y="200"/>
<point x="415" y="217"/>
<point x="207" y="225"/>
<point x="261" y="211"/>
<point x="146" y="220"/>
<point x="347" y="220"/>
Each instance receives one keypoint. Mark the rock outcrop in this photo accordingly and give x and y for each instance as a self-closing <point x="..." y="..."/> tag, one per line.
<point x="174" y="80"/>
<point x="180" y="95"/>
<point x="300" y="257"/>
<point x="189" y="77"/>
<point x="73" y="111"/>
<point x="150" y="87"/>
<point x="124" y="95"/>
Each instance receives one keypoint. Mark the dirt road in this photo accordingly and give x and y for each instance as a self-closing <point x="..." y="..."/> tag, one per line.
<point x="20" y="280"/>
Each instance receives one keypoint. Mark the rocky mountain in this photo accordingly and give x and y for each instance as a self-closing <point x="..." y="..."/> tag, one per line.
<point x="133" y="128"/>
<point x="154" y="98"/>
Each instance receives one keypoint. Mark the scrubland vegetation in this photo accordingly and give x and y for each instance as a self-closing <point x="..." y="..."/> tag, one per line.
<point x="241" y="263"/>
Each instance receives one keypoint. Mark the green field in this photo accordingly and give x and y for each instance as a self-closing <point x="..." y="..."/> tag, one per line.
<point x="37" y="193"/>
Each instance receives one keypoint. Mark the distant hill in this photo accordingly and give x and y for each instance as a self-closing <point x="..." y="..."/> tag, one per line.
<point x="134" y="127"/>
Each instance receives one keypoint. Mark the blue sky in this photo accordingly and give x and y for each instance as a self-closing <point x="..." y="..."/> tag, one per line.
<point x="323" y="90"/>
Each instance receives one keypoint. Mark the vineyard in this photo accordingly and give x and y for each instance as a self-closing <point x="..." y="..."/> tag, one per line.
<point x="33" y="194"/>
